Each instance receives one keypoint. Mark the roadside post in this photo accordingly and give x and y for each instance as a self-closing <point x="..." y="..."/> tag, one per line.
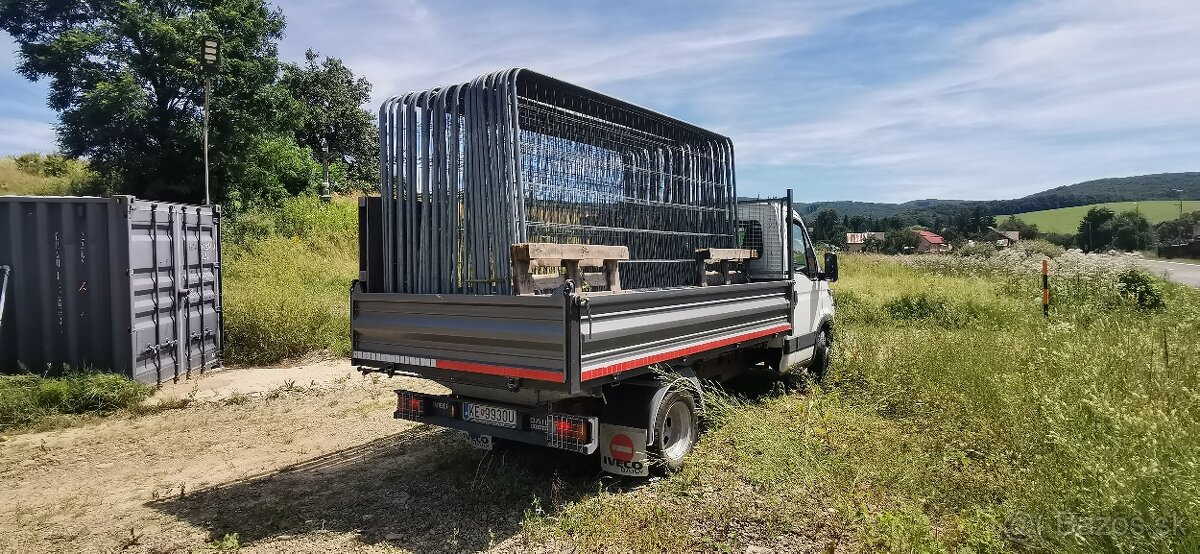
<point x="1046" y="288"/>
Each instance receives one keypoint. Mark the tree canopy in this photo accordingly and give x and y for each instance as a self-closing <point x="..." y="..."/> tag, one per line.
<point x="126" y="80"/>
<point x="334" y="118"/>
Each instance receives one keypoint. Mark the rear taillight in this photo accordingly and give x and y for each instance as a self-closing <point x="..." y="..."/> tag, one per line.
<point x="409" y="405"/>
<point x="572" y="433"/>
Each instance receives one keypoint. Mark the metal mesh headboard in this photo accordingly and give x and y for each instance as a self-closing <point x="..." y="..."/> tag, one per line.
<point x="516" y="156"/>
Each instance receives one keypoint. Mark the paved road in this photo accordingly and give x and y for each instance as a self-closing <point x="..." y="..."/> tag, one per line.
<point x="1188" y="274"/>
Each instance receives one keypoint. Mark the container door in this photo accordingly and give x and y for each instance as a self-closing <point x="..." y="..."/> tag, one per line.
<point x="153" y="258"/>
<point x="198" y="290"/>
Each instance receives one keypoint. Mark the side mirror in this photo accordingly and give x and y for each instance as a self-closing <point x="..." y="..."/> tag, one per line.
<point x="831" y="267"/>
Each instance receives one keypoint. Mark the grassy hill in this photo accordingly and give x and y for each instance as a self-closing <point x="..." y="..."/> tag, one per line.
<point x="1066" y="220"/>
<point x="14" y="182"/>
<point x="1161" y="186"/>
<point x="37" y="175"/>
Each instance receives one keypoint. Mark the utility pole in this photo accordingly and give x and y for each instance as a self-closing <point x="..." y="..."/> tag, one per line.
<point x="210" y="56"/>
<point x="1181" y="224"/>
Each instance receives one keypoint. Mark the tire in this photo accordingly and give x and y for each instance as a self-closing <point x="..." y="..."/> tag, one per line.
<point x="822" y="353"/>
<point x="676" y="428"/>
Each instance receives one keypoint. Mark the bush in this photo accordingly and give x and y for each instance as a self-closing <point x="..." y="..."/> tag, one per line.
<point x="918" y="306"/>
<point x="979" y="248"/>
<point x="25" y="399"/>
<point x="1140" y="288"/>
<point x="1039" y="248"/>
<point x="1064" y="240"/>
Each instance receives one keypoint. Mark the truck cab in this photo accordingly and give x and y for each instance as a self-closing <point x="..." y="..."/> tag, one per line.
<point x="785" y="251"/>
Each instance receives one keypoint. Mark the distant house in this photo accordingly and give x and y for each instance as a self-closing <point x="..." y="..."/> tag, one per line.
<point x="855" y="241"/>
<point x="1004" y="239"/>
<point x="932" y="242"/>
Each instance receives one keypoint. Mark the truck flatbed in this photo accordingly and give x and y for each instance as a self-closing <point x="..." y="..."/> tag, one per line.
<point x="565" y="341"/>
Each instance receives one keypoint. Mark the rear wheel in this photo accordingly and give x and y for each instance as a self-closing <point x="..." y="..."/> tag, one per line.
<point x="675" y="429"/>
<point x="822" y="352"/>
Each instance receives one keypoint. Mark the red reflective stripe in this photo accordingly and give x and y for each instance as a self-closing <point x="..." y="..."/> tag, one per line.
<point x="503" y="371"/>
<point x="618" y="367"/>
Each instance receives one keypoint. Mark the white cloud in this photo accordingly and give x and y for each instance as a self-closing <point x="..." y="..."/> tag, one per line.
<point x="409" y="46"/>
<point x="18" y="136"/>
<point x="1047" y="94"/>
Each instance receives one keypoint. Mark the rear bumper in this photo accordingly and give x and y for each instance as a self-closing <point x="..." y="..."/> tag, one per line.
<point x="532" y="426"/>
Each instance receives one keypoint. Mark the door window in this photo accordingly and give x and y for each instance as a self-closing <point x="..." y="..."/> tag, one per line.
<point x="803" y="255"/>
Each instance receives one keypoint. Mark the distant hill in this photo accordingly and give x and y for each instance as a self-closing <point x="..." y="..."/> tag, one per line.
<point x="1159" y="186"/>
<point x="1066" y="220"/>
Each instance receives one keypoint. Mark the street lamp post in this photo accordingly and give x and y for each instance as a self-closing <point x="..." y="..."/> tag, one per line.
<point x="210" y="56"/>
<point x="325" y="196"/>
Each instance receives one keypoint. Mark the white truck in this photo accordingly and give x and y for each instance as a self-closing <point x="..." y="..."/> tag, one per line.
<point x="617" y="374"/>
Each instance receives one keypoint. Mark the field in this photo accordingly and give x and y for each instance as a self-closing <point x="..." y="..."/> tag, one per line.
<point x="1066" y="220"/>
<point x="955" y="419"/>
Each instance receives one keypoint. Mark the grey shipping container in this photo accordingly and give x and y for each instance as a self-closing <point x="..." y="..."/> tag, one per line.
<point x="119" y="284"/>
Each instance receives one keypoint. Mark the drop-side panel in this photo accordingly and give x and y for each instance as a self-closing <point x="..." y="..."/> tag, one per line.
<point x="501" y="336"/>
<point x="628" y="331"/>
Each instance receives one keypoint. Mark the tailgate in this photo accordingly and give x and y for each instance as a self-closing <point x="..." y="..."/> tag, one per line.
<point x="628" y="331"/>
<point x="488" y="339"/>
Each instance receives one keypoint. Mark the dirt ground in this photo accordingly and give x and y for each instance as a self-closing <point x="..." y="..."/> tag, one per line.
<point x="302" y="459"/>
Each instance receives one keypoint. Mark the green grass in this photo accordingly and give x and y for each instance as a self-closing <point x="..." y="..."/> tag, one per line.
<point x="287" y="280"/>
<point x="1066" y="220"/>
<point x="955" y="419"/>
<point x="30" y="399"/>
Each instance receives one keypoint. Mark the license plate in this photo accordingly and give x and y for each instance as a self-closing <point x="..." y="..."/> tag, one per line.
<point x="482" y="442"/>
<point x="490" y="415"/>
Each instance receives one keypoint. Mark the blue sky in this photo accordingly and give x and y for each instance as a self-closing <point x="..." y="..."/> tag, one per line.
<point x="873" y="100"/>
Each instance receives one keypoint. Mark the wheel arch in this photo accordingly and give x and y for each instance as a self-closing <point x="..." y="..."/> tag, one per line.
<point x="636" y="402"/>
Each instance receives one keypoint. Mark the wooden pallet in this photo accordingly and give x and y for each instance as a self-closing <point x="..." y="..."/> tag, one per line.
<point x="527" y="257"/>
<point x="723" y="259"/>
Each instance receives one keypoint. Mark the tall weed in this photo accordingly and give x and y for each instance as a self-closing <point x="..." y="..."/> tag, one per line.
<point x="287" y="280"/>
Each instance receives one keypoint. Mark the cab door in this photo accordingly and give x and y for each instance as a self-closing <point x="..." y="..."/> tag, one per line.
<point x="807" y="283"/>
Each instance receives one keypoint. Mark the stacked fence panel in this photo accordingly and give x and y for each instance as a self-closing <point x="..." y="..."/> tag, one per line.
<point x="515" y="156"/>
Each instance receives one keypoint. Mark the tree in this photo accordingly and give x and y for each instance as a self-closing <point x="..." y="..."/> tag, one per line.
<point x="1094" y="233"/>
<point x="824" y="223"/>
<point x="1131" y="231"/>
<point x="1028" y="231"/>
<point x="872" y="244"/>
<point x="125" y="79"/>
<point x="901" y="241"/>
<point x="332" y="98"/>
<point x="1176" y="230"/>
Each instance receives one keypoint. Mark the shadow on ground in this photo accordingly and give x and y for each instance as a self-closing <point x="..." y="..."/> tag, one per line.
<point x="420" y="489"/>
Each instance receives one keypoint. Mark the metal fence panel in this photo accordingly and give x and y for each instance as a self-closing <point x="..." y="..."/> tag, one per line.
<point x="516" y="156"/>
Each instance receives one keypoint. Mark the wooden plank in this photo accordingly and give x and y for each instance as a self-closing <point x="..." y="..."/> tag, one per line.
<point x="573" y="273"/>
<point x="718" y="254"/>
<point x="523" y="278"/>
<point x="612" y="274"/>
<point x="552" y="281"/>
<point x="538" y="250"/>
<point x="558" y="262"/>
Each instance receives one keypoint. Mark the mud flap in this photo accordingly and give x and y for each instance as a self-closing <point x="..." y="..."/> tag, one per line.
<point x="623" y="450"/>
